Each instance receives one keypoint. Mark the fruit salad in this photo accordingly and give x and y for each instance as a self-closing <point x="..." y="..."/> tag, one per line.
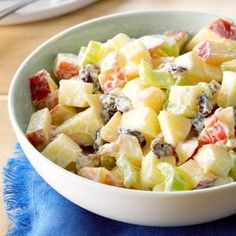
<point x="154" y="113"/>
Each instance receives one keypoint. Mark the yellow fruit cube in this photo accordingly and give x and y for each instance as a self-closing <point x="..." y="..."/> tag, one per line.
<point x="62" y="150"/>
<point x="214" y="158"/>
<point x="109" y="132"/>
<point x="227" y="94"/>
<point x="71" y="92"/>
<point x="79" y="129"/>
<point x="143" y="120"/>
<point x="38" y="128"/>
<point x="61" y="112"/>
<point x="175" y="128"/>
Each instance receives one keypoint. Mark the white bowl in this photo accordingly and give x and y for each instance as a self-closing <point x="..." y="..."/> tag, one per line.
<point x="131" y="206"/>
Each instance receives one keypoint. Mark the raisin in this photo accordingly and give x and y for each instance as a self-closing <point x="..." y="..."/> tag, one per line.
<point x="204" y="104"/>
<point x="161" y="149"/>
<point x="176" y="69"/>
<point x="89" y="74"/>
<point x="137" y="134"/>
<point x="98" y="140"/>
<point x="198" y="122"/>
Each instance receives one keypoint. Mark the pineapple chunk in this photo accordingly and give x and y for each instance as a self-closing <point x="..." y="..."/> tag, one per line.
<point x="186" y="149"/>
<point x="227" y="93"/>
<point x="150" y="175"/>
<point x="62" y="150"/>
<point x="229" y="66"/>
<point x="79" y="129"/>
<point x="197" y="70"/>
<point x="61" y="112"/>
<point x="66" y="66"/>
<point x="152" y="97"/>
<point x="71" y="92"/>
<point x="195" y="173"/>
<point x="38" y="128"/>
<point x="214" y="158"/>
<point x="175" y="128"/>
<point x="135" y="51"/>
<point x="215" y="53"/>
<point x="109" y="132"/>
<point x="119" y="41"/>
<point x="182" y="99"/>
<point x="101" y="175"/>
<point x="143" y="120"/>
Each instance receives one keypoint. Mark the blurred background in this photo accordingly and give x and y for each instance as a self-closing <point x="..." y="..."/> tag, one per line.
<point x="18" y="39"/>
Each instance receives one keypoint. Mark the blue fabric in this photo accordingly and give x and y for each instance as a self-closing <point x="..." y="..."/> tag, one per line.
<point x="35" y="209"/>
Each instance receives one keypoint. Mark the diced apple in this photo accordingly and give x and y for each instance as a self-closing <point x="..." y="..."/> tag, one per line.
<point x="215" y="52"/>
<point x="62" y="150"/>
<point x="131" y="70"/>
<point x="129" y="148"/>
<point x="71" y="92"/>
<point x="93" y="101"/>
<point x="227" y="93"/>
<point x="143" y="120"/>
<point x="41" y="85"/>
<point x="181" y="37"/>
<point x="150" y="175"/>
<point x="61" y="112"/>
<point x="111" y="79"/>
<point x="108" y="162"/>
<point x="186" y="149"/>
<point x="232" y="172"/>
<point x="196" y="175"/>
<point x="79" y="129"/>
<point x="214" y="158"/>
<point x="173" y="179"/>
<point x="222" y="180"/>
<point x="119" y="41"/>
<point x="229" y="66"/>
<point x="197" y="70"/>
<point x="66" y="66"/>
<point x="130" y="172"/>
<point x="150" y="77"/>
<point x="152" y="97"/>
<point x="109" y="132"/>
<point x="170" y="159"/>
<point x="135" y="51"/>
<point x="101" y="175"/>
<point x="117" y="172"/>
<point x="38" y="128"/>
<point x="175" y="128"/>
<point x="48" y="102"/>
<point x="182" y="99"/>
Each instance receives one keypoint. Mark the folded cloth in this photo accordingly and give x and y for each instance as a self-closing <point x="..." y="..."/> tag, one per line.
<point x="35" y="209"/>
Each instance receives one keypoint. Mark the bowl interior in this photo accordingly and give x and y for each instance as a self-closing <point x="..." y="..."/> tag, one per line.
<point x="134" y="24"/>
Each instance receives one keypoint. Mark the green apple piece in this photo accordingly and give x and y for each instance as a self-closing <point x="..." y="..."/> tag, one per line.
<point x="214" y="158"/>
<point x="150" y="77"/>
<point x="229" y="66"/>
<point x="71" y="93"/>
<point x="175" y="128"/>
<point x="186" y="149"/>
<point x="62" y="150"/>
<point x="130" y="148"/>
<point x="92" y="54"/>
<point x="196" y="175"/>
<point x="182" y="99"/>
<point x="150" y="175"/>
<point x="227" y="94"/>
<point x="232" y="172"/>
<point x="170" y="46"/>
<point x="79" y="129"/>
<point x="222" y="181"/>
<point x="173" y="179"/>
<point x="143" y="120"/>
<point x="108" y="162"/>
<point x="130" y="172"/>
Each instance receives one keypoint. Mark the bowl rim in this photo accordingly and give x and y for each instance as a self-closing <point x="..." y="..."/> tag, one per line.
<point x="23" y="140"/>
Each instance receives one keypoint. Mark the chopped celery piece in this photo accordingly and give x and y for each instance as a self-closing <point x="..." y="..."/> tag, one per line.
<point x="173" y="179"/>
<point x="150" y="77"/>
<point x="131" y="173"/>
<point x="170" y="46"/>
<point x="108" y="162"/>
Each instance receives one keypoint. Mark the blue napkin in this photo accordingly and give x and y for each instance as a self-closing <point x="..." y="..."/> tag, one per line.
<point x="35" y="209"/>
